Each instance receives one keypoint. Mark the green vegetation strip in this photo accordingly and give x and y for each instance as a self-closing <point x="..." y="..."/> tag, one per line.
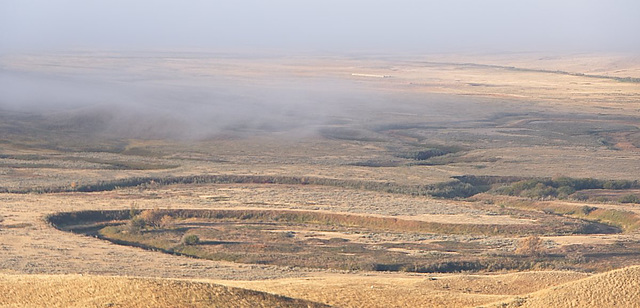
<point x="451" y="189"/>
<point x="459" y="187"/>
<point x="74" y="221"/>
<point x="246" y="236"/>
<point x="626" y="220"/>
<point x="561" y="187"/>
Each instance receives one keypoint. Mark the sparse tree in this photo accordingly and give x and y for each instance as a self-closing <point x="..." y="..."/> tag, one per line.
<point x="133" y="210"/>
<point x="135" y="225"/>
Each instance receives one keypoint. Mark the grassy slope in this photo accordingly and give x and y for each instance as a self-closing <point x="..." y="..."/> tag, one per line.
<point x="97" y="291"/>
<point x="379" y="290"/>
<point x="618" y="288"/>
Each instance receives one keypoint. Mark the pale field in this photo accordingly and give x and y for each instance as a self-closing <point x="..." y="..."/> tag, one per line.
<point x="510" y="122"/>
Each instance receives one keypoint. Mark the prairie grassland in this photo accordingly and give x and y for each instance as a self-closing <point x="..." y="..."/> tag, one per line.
<point x="436" y="117"/>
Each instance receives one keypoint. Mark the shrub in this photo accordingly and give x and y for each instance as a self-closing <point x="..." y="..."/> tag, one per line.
<point x="629" y="199"/>
<point x="135" y="225"/>
<point x="620" y="184"/>
<point x="454" y="189"/>
<point x="580" y="197"/>
<point x="588" y="209"/>
<point x="425" y="154"/>
<point x="153" y="218"/>
<point x="531" y="246"/>
<point x="564" y="191"/>
<point x="561" y="187"/>
<point x="166" y="221"/>
<point x="190" y="239"/>
<point x="602" y="199"/>
<point x="540" y="191"/>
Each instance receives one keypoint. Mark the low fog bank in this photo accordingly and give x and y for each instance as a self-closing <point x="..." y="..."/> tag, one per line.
<point x="145" y="104"/>
<point x="195" y="96"/>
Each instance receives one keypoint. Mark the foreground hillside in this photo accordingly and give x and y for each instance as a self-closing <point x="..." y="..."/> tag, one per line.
<point x="394" y="290"/>
<point x="618" y="288"/>
<point x="94" y="291"/>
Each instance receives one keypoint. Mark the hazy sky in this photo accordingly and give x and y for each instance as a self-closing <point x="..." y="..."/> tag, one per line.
<point x="322" y="25"/>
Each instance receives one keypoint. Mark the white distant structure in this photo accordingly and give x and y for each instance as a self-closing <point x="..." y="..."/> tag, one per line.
<point x="370" y="75"/>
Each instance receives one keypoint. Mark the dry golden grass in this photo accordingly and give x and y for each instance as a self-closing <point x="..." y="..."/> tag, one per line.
<point x="384" y="290"/>
<point x="96" y="291"/>
<point x="618" y="288"/>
